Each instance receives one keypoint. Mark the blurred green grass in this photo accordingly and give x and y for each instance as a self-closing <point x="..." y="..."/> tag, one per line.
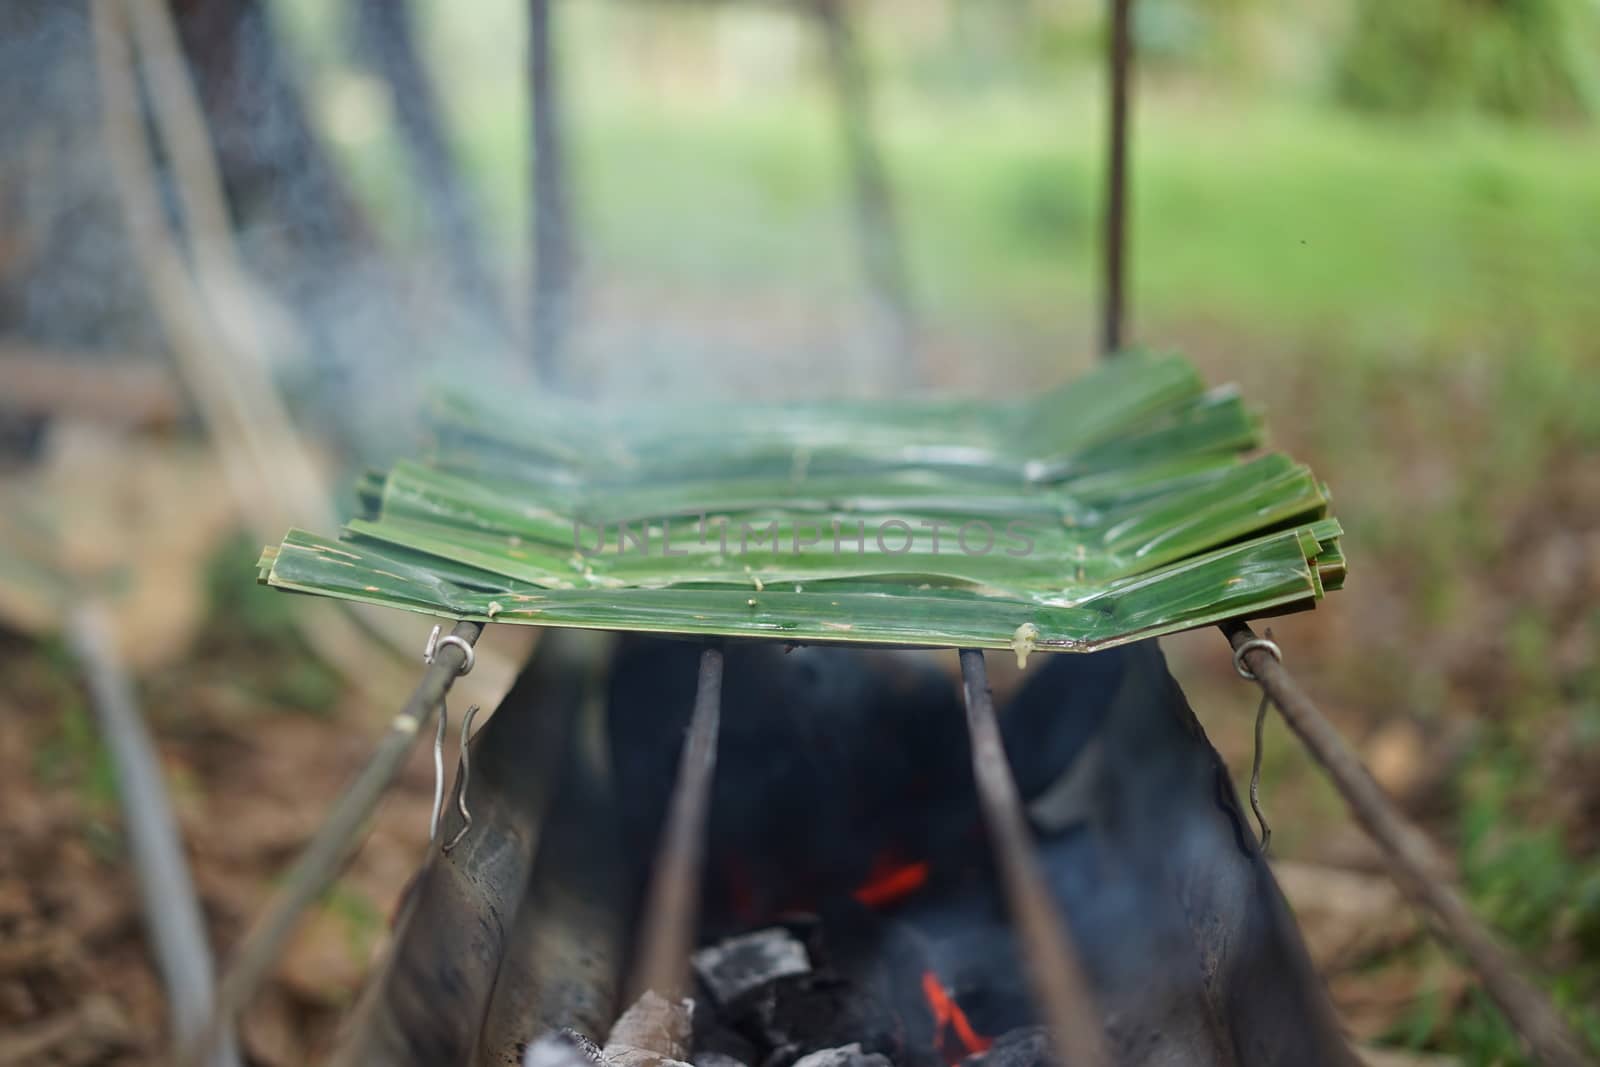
<point x="1284" y="220"/>
<point x="1258" y="204"/>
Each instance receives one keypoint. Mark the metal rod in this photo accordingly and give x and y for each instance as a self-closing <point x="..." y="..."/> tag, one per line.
<point x="171" y="908"/>
<point x="320" y="861"/>
<point x="1059" y="985"/>
<point x="1412" y="863"/>
<point x="550" y="236"/>
<point x="672" y="909"/>
<point x="1114" y="312"/>
<point x="877" y="223"/>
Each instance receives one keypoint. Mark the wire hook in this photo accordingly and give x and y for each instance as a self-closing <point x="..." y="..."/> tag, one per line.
<point x="438" y="771"/>
<point x="1265" y="643"/>
<point x="1255" y="775"/>
<point x="435" y="643"/>
<point x="1268" y="645"/>
<point x="461" y="791"/>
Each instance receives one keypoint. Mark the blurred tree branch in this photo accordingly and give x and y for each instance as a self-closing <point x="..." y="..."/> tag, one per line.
<point x="388" y="39"/>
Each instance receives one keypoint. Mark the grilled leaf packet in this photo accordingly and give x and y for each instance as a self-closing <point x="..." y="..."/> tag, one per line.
<point x="1129" y="503"/>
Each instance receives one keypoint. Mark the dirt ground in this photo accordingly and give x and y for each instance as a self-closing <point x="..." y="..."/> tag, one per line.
<point x="250" y="785"/>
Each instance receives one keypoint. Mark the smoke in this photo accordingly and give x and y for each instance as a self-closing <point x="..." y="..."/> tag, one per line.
<point x="729" y="188"/>
<point x="64" y="262"/>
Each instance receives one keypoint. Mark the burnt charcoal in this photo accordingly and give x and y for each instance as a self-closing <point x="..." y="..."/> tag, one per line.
<point x="563" y="1048"/>
<point x="783" y="1056"/>
<point x="806" y="1013"/>
<point x="844" y="1056"/>
<point x="740" y="966"/>
<point x="1027" y="1046"/>
<point x="717" y="1059"/>
<point x="715" y="1038"/>
<point x="808" y="928"/>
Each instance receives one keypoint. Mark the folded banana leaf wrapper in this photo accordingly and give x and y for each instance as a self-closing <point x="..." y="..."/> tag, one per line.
<point x="1119" y="506"/>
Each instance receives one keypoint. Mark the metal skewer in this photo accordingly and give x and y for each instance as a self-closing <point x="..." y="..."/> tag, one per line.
<point x="1054" y="972"/>
<point x="464" y="776"/>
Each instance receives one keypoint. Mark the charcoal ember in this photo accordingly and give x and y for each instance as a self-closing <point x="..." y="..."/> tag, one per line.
<point x="563" y="1048"/>
<point x="1026" y="1046"/>
<point x="804" y="1013"/>
<point x="739" y="966"/>
<point x="843" y="1056"/>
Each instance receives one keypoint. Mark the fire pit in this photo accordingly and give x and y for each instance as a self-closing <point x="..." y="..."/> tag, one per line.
<point x="851" y="895"/>
<point x="902" y="872"/>
<point x="851" y="910"/>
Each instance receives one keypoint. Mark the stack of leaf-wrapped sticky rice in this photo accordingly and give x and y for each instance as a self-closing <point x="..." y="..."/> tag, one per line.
<point x="1118" y="506"/>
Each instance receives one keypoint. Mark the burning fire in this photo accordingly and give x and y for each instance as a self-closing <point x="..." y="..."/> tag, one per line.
<point x="890" y="882"/>
<point x="953" y="1034"/>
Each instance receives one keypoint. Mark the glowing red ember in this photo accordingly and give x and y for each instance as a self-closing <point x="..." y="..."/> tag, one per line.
<point x="949" y="1021"/>
<point x="890" y="882"/>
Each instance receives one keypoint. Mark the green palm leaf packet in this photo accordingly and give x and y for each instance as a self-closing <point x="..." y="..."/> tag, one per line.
<point x="1129" y="503"/>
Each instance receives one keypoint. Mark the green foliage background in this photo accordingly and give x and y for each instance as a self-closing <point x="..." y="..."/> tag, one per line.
<point x="1516" y="58"/>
